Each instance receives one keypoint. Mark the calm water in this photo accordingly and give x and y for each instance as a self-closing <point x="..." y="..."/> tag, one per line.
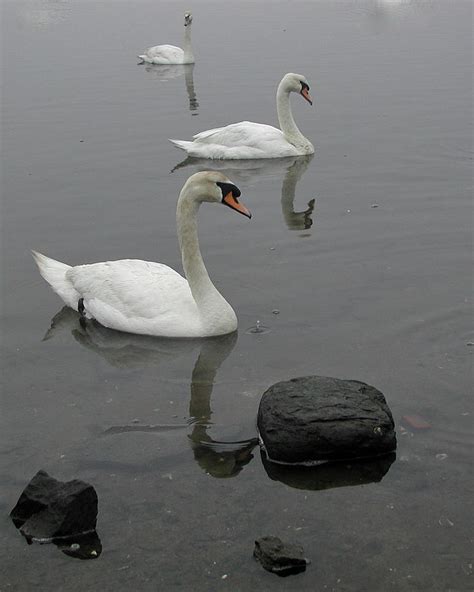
<point x="164" y="430"/>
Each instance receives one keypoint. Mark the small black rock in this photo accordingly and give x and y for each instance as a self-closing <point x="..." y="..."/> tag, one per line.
<point x="49" y="509"/>
<point x="278" y="557"/>
<point x="318" y="418"/>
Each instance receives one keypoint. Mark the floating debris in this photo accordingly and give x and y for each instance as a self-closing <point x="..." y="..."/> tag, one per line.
<point x="374" y="205"/>
<point x="445" y="521"/>
<point x="275" y="311"/>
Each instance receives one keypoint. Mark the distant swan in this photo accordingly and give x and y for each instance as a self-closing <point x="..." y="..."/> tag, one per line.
<point x="256" y="140"/>
<point x="170" y="54"/>
<point x="151" y="298"/>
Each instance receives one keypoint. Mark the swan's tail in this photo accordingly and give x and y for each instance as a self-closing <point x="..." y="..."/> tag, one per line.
<point x="54" y="272"/>
<point x="181" y="144"/>
<point x="142" y="58"/>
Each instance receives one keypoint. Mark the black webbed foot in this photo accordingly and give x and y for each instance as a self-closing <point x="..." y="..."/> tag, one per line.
<point x="80" y="307"/>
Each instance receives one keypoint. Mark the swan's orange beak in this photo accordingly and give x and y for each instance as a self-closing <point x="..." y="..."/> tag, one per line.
<point x="305" y="94"/>
<point x="232" y="202"/>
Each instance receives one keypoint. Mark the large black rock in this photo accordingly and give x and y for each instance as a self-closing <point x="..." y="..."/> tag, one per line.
<point x="49" y="509"/>
<point x="279" y="557"/>
<point x="318" y="418"/>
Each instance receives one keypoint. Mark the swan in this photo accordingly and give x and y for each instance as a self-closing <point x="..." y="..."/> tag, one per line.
<point x="151" y="298"/>
<point x="170" y="54"/>
<point x="246" y="139"/>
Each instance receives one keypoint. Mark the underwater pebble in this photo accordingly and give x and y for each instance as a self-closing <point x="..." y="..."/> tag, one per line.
<point x="75" y="547"/>
<point x="416" y="422"/>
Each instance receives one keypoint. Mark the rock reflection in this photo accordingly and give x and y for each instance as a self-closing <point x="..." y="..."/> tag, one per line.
<point x="84" y="546"/>
<point x="168" y="72"/>
<point x="125" y="350"/>
<point x="330" y="475"/>
<point x="253" y="171"/>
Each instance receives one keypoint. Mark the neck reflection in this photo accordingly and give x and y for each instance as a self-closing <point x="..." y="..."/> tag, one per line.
<point x="253" y="172"/>
<point x="165" y="72"/>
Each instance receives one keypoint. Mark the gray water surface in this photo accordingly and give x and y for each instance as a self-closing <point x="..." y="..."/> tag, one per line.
<point x="372" y="281"/>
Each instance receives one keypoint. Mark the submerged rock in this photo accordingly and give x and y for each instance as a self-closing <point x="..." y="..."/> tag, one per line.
<point x="50" y="509"/>
<point x="317" y="418"/>
<point x="279" y="557"/>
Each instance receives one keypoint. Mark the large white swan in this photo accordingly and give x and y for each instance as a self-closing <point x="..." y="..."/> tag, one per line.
<point x="151" y="298"/>
<point x="170" y="54"/>
<point x="256" y="140"/>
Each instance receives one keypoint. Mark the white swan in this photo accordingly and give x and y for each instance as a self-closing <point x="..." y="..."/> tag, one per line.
<point x="151" y="298"/>
<point x="170" y="54"/>
<point x="256" y="140"/>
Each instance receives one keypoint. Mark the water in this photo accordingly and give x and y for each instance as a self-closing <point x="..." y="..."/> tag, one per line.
<point x="165" y="430"/>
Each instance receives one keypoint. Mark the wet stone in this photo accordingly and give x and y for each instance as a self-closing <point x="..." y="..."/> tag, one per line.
<point x="49" y="509"/>
<point x="279" y="557"/>
<point x="317" y="418"/>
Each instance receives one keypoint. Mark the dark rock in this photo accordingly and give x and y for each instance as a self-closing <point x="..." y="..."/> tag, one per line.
<point x="318" y="418"/>
<point x="279" y="557"/>
<point x="49" y="509"/>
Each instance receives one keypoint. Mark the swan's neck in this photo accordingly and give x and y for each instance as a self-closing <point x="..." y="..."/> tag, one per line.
<point x="188" y="52"/>
<point x="286" y="121"/>
<point x="210" y="302"/>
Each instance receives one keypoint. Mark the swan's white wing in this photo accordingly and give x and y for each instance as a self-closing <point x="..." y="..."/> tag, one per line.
<point x="245" y="133"/>
<point x="134" y="296"/>
<point x="164" y="54"/>
<point x="239" y="141"/>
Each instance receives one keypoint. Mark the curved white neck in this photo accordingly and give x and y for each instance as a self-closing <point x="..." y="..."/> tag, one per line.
<point x="208" y="299"/>
<point x="286" y="121"/>
<point x="188" y="52"/>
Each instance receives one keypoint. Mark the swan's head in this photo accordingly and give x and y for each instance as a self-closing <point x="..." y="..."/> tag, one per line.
<point x="188" y="18"/>
<point x="297" y="83"/>
<point x="214" y="187"/>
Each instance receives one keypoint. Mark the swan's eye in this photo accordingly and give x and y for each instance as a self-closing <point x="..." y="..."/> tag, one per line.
<point x="304" y="86"/>
<point x="227" y="188"/>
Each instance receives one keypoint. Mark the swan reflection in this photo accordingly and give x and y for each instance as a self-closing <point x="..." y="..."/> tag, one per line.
<point x="126" y="350"/>
<point x="251" y="172"/>
<point x="169" y="71"/>
<point x="41" y="14"/>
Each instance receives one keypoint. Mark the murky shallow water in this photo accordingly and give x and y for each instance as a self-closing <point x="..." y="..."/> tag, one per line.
<point x="163" y="429"/>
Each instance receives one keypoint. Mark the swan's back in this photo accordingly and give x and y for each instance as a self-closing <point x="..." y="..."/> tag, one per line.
<point x="163" y="54"/>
